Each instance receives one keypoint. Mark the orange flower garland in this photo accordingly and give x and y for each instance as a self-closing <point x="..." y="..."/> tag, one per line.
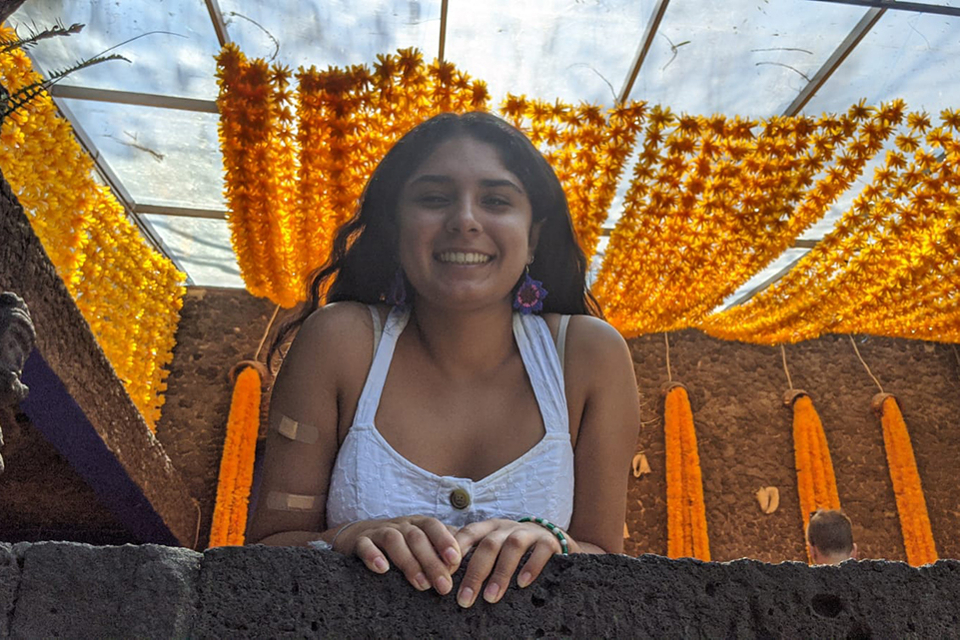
<point x="889" y="267"/>
<point x="129" y="294"/>
<point x="911" y="505"/>
<point x="816" y="483"/>
<point x="288" y="193"/>
<point x="236" y="462"/>
<point x="686" y="512"/>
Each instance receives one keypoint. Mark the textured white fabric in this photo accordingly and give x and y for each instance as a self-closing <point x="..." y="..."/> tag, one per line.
<point x="372" y="480"/>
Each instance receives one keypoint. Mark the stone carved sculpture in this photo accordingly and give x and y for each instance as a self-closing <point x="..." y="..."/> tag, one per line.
<point x="17" y="337"/>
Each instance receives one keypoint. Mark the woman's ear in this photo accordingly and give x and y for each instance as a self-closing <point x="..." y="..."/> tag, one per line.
<point x="535" y="236"/>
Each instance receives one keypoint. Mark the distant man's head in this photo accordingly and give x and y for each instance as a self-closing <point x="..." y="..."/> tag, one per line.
<point x="830" y="537"/>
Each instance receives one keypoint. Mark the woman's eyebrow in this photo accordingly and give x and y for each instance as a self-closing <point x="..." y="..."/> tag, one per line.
<point x="489" y="183"/>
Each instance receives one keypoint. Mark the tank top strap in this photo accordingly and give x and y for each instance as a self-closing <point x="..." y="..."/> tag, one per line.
<point x="382" y="356"/>
<point x="539" y="354"/>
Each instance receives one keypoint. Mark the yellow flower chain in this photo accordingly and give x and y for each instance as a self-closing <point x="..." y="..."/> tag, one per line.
<point x="686" y="512"/>
<point x="229" y="522"/>
<point x="889" y="267"/>
<point x="289" y="193"/>
<point x="816" y="482"/>
<point x="918" y="538"/>
<point x="587" y="147"/>
<point x="129" y="294"/>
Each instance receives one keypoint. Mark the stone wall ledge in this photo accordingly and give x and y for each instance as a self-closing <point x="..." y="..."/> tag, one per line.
<point x="63" y="589"/>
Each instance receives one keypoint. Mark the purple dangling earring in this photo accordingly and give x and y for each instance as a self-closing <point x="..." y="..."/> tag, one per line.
<point x="529" y="296"/>
<point x="397" y="296"/>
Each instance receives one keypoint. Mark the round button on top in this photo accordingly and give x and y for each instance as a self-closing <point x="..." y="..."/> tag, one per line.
<point x="460" y="499"/>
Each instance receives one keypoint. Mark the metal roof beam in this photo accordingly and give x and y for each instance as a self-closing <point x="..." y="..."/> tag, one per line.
<point x="213" y="8"/>
<point x="918" y="7"/>
<point x="73" y="92"/>
<point x="443" y="29"/>
<point x="182" y="212"/>
<point x="840" y="54"/>
<point x="648" y="35"/>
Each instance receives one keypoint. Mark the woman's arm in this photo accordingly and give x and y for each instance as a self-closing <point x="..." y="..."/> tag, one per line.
<point x="334" y="348"/>
<point x="600" y="363"/>
<point x="292" y="498"/>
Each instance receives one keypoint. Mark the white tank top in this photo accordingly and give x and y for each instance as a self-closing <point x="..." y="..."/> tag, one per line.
<point x="370" y="479"/>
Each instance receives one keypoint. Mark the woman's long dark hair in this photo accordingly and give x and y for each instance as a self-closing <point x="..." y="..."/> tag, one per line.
<point x="364" y="258"/>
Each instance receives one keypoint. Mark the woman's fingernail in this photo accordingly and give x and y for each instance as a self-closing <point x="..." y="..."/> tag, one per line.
<point x="380" y="564"/>
<point x="422" y="583"/>
<point x="491" y="592"/>
<point x="524" y="579"/>
<point x="443" y="585"/>
<point x="465" y="597"/>
<point x="451" y="556"/>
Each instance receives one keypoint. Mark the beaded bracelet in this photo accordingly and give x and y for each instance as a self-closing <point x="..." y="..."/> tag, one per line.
<point x="554" y="529"/>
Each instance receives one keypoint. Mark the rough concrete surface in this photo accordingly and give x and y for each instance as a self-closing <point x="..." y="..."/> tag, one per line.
<point x="70" y="590"/>
<point x="79" y="591"/>
<point x="9" y="581"/>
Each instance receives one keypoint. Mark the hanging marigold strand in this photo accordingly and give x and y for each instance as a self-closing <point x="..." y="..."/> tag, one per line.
<point x="686" y="511"/>
<point x="911" y="505"/>
<point x="236" y="462"/>
<point x="129" y="294"/>
<point x="816" y="482"/>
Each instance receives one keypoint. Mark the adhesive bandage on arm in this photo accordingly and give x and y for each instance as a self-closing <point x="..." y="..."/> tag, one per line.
<point x="298" y="431"/>
<point x="281" y="501"/>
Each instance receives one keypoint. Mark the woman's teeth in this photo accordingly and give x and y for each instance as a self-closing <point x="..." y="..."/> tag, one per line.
<point x="459" y="257"/>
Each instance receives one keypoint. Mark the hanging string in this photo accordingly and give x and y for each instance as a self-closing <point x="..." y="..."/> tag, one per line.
<point x="783" y="353"/>
<point x="957" y="356"/>
<point x="666" y="341"/>
<point x="266" y="332"/>
<point x="853" y="342"/>
<point x="196" y="537"/>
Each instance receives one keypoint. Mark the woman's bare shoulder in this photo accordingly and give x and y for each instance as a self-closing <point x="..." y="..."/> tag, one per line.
<point x="340" y="333"/>
<point x="595" y="345"/>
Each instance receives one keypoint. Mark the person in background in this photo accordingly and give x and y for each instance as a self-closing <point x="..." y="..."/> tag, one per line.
<point x="830" y="537"/>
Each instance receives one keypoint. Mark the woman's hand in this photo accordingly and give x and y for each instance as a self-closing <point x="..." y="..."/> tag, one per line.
<point x="499" y="545"/>
<point x="423" y="548"/>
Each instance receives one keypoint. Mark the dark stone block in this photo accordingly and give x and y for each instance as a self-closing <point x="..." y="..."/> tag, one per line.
<point x="75" y="590"/>
<point x="9" y="582"/>
<point x="261" y="591"/>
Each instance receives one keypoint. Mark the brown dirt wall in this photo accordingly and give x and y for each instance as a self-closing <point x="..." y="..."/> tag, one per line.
<point x="744" y="430"/>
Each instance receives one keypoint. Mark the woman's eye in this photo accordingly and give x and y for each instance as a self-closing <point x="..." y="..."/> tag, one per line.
<point x="433" y="200"/>
<point x="496" y="201"/>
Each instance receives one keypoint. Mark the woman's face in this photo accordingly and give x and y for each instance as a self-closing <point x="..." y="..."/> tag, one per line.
<point x="466" y="229"/>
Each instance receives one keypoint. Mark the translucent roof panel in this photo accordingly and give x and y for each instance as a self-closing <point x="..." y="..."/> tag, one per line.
<point x="338" y="32"/>
<point x="162" y="156"/>
<point x="174" y="54"/>
<point x="201" y="247"/>
<point x="906" y="55"/>
<point x="740" y="57"/>
<point x="780" y="263"/>
<point x="575" y="51"/>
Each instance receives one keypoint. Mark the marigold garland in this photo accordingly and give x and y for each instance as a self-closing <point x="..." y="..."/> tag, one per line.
<point x="890" y="266"/>
<point x="914" y="520"/>
<point x="711" y="202"/>
<point x="129" y="294"/>
<point x="686" y="512"/>
<point x="288" y="193"/>
<point x="816" y="482"/>
<point x="236" y="462"/>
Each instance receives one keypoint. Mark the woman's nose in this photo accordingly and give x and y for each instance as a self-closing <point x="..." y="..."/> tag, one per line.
<point x="462" y="217"/>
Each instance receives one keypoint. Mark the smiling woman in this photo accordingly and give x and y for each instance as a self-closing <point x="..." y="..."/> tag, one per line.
<point x="422" y="410"/>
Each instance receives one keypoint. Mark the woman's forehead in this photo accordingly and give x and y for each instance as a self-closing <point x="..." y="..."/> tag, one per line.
<point x="463" y="157"/>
